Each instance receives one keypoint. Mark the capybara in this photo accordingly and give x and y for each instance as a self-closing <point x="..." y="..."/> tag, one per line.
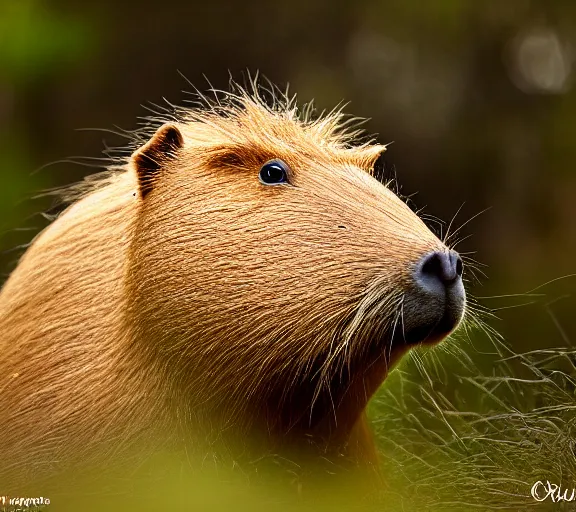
<point x="242" y="276"/>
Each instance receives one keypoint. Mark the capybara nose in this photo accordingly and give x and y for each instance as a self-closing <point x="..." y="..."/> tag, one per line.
<point x="439" y="270"/>
<point x="434" y="305"/>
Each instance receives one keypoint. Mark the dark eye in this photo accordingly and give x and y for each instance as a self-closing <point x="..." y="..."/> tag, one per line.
<point x="274" y="172"/>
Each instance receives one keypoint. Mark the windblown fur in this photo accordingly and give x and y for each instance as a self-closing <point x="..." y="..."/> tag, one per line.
<point x="180" y="301"/>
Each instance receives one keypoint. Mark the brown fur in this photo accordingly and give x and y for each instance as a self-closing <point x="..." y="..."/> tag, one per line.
<point x="209" y="304"/>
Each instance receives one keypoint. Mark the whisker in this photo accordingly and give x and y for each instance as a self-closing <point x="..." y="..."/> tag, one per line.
<point x="459" y="241"/>
<point x="514" y="306"/>
<point x="510" y="295"/>
<point x="551" y="281"/>
<point x="468" y="221"/>
<point x="451" y="221"/>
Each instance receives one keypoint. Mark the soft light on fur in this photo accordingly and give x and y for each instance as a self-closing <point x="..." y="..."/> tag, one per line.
<point x="180" y="301"/>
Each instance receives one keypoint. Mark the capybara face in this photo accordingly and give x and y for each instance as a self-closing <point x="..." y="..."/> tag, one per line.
<point x="265" y="247"/>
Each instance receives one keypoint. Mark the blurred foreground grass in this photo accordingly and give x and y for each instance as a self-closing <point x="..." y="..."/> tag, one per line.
<point x="456" y="432"/>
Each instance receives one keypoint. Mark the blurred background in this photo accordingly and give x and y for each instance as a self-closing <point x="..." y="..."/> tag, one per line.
<point x="479" y="99"/>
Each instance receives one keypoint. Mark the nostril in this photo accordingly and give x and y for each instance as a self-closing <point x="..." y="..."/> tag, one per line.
<point x="459" y="266"/>
<point x="444" y="266"/>
<point x="432" y="265"/>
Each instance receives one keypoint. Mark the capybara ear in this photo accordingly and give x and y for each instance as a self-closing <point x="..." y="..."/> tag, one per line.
<point x="149" y="159"/>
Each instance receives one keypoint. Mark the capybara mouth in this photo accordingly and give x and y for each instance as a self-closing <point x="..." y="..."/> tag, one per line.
<point x="428" y="333"/>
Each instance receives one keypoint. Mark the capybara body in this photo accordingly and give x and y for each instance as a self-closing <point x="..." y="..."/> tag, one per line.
<point x="241" y="276"/>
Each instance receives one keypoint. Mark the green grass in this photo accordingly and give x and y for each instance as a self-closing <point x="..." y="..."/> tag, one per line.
<point x="454" y="435"/>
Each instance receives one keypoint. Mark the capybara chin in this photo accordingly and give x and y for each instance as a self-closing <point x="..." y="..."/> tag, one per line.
<point x="241" y="276"/>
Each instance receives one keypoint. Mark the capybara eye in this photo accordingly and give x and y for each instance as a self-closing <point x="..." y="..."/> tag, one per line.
<point x="274" y="172"/>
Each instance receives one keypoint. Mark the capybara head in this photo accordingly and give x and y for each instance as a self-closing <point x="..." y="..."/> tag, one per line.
<point x="270" y="268"/>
